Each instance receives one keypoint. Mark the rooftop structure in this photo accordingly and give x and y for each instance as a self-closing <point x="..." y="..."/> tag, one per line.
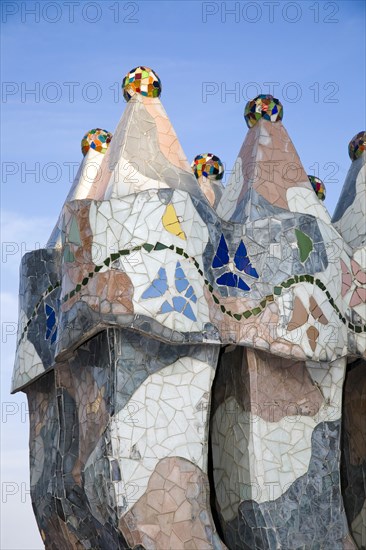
<point x="194" y="353"/>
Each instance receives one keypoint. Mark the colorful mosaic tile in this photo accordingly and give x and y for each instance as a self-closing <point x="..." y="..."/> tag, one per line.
<point x="171" y="222"/>
<point x="141" y="80"/>
<point x="263" y="106"/>
<point x="208" y="165"/>
<point x="158" y="287"/>
<point x="180" y="304"/>
<point x="241" y="263"/>
<point x="318" y="187"/>
<point x="305" y="245"/>
<point x="357" y="145"/>
<point x="51" y="327"/>
<point x="96" y="139"/>
<point x="221" y="257"/>
<point x="192" y="353"/>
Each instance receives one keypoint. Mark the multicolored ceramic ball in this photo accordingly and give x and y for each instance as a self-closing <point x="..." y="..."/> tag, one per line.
<point x="318" y="187"/>
<point x="357" y="145"/>
<point x="263" y="106"/>
<point x="96" y="139"/>
<point x="141" y="80"/>
<point x="208" y="165"/>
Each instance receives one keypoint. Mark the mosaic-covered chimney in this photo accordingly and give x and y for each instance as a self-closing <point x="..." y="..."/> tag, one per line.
<point x="193" y="353"/>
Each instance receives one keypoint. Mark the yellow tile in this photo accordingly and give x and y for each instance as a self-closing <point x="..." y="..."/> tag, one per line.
<point x="171" y="222"/>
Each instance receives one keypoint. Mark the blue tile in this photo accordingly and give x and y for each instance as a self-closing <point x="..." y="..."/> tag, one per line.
<point x="158" y="287"/>
<point x="222" y="254"/>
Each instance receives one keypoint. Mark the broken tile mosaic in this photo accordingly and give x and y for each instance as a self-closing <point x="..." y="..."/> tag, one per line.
<point x="208" y="165"/>
<point x="357" y="145"/>
<point x="263" y="106"/>
<point x="318" y="187"/>
<point x="141" y="80"/>
<point x="97" y="139"/>
<point x="194" y="354"/>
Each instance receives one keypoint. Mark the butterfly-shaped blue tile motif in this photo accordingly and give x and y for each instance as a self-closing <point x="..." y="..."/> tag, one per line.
<point x="180" y="304"/>
<point x="181" y="284"/>
<point x="222" y="254"/>
<point x="231" y="279"/>
<point x="241" y="262"/>
<point x="158" y="287"/>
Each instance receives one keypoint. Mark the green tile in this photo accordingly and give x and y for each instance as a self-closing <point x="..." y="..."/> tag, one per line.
<point x="68" y="254"/>
<point x="74" y="235"/>
<point x="160" y="246"/>
<point x="305" y="245"/>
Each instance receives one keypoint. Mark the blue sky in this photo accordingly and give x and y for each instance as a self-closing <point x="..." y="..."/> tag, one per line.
<point x="311" y="53"/>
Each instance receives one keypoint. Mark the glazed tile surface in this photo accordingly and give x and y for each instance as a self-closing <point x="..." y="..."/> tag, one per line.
<point x="194" y="354"/>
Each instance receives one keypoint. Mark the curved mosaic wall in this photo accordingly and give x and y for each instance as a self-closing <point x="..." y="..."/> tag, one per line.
<point x="191" y="348"/>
